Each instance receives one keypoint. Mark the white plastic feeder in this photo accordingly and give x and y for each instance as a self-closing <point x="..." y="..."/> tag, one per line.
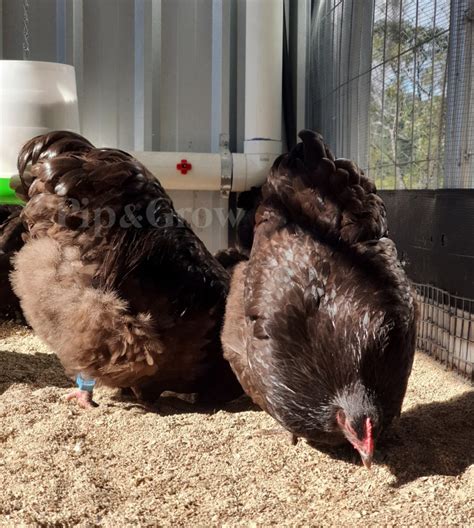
<point x="35" y="97"/>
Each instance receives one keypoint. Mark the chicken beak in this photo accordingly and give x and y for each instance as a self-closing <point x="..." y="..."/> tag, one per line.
<point x="367" y="459"/>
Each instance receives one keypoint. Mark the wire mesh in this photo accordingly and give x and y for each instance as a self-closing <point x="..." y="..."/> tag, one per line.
<point x="408" y="92"/>
<point x="340" y="54"/>
<point x="446" y="328"/>
<point x="393" y="88"/>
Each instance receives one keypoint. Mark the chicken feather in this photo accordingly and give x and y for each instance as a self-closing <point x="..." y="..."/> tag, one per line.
<point x="112" y="278"/>
<point x="320" y="321"/>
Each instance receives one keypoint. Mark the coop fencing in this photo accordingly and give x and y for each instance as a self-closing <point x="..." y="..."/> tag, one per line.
<point x="408" y="93"/>
<point x="392" y="88"/>
<point x="446" y="328"/>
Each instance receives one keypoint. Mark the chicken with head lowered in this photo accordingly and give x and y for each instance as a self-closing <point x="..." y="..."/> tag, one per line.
<point x="321" y="320"/>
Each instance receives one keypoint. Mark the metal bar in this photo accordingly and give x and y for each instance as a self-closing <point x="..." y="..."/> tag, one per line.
<point x="61" y="31"/>
<point x="142" y="75"/>
<point x="340" y="77"/>
<point x="457" y="99"/>
<point x="300" y="31"/>
<point x="469" y="330"/>
<point x="462" y="333"/>
<point x="467" y="178"/>
<point x="233" y="90"/>
<point x="432" y="93"/>
<point x="371" y="126"/>
<point x="442" y="129"/>
<point x="382" y="111"/>
<point x="155" y="45"/>
<point x="398" y="100"/>
<point x="351" y="56"/>
<point x="220" y="83"/>
<point x="216" y="83"/>
<point x="412" y="133"/>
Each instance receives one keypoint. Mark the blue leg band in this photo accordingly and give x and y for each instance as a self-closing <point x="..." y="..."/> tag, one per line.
<point x="85" y="384"/>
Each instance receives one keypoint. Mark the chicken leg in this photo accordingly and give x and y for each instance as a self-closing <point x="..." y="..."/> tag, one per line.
<point x="83" y="394"/>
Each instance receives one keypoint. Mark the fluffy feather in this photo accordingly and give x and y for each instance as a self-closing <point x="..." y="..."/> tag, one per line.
<point x="112" y="278"/>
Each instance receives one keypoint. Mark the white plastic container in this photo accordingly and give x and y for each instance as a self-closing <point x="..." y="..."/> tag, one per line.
<point x="35" y="97"/>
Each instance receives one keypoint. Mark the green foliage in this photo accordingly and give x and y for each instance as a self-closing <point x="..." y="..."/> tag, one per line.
<point x="407" y="105"/>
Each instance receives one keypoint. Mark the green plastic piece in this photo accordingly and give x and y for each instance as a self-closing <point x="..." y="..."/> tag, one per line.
<point x="7" y="194"/>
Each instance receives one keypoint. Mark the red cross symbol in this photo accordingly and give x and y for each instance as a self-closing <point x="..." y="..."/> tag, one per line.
<point x="184" y="166"/>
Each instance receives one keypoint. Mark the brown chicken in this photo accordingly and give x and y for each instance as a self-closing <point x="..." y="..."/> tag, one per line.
<point x="320" y="322"/>
<point x="249" y="202"/>
<point x="113" y="279"/>
<point x="11" y="229"/>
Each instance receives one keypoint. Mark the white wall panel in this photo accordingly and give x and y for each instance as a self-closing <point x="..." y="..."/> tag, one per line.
<point x="185" y="103"/>
<point x="108" y="75"/>
<point x="151" y="74"/>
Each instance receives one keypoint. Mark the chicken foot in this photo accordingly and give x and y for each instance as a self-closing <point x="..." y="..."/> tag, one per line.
<point x="83" y="394"/>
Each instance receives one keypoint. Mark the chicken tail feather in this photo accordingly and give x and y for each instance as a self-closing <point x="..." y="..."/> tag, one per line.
<point x="46" y="146"/>
<point x="328" y="195"/>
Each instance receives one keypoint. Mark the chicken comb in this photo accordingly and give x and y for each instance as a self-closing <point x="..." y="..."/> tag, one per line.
<point x="368" y="441"/>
